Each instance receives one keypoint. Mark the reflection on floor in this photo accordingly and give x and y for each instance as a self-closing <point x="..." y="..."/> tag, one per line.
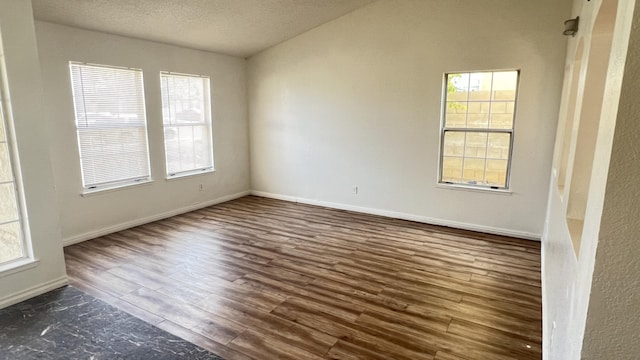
<point x="69" y="324"/>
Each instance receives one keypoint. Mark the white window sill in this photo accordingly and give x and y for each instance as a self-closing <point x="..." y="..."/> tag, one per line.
<point x="107" y="189"/>
<point x="462" y="187"/>
<point x="190" y="173"/>
<point x="17" y="266"/>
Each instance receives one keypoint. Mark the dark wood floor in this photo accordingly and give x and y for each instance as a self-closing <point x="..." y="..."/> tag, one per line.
<point x="261" y="279"/>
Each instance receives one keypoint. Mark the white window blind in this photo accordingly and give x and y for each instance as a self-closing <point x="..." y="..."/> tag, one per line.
<point x="111" y="124"/>
<point x="186" y="111"/>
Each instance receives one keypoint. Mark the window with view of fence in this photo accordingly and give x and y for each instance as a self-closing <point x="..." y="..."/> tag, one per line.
<point x="477" y="128"/>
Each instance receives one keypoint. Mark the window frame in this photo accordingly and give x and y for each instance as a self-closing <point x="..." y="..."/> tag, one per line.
<point x="27" y="258"/>
<point x="120" y="183"/>
<point x="208" y="117"/>
<point x="444" y="129"/>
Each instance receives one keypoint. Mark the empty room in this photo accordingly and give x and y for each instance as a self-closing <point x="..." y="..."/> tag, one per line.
<point x="319" y="179"/>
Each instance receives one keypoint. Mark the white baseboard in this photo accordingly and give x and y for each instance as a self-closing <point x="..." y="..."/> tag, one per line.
<point x="403" y="216"/>
<point x="397" y="215"/>
<point x="133" y="223"/>
<point x="33" y="291"/>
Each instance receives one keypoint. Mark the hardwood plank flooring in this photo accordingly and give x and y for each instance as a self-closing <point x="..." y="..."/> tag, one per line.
<point x="258" y="278"/>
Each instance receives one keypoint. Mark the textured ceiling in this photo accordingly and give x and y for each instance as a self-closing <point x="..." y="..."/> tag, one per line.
<point x="234" y="27"/>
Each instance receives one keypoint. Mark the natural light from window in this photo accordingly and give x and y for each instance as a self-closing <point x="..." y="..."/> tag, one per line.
<point x="186" y="114"/>
<point x="11" y="237"/>
<point x="111" y="124"/>
<point x="477" y="132"/>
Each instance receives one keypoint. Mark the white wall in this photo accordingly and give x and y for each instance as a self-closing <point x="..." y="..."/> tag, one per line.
<point x="613" y="325"/>
<point x="86" y="217"/>
<point x="574" y="312"/>
<point x="611" y="329"/>
<point x="31" y="130"/>
<point x="356" y="102"/>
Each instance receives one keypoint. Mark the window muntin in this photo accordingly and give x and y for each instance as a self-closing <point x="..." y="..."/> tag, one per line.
<point x="186" y="112"/>
<point x="12" y="244"/>
<point x="111" y="125"/>
<point x="477" y="128"/>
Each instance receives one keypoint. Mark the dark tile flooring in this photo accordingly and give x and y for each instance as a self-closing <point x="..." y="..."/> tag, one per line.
<point x="68" y="324"/>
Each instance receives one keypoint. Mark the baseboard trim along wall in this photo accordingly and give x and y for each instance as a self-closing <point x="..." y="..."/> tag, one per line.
<point x="133" y="223"/>
<point x="403" y="216"/>
<point x="32" y="292"/>
<point x="392" y="214"/>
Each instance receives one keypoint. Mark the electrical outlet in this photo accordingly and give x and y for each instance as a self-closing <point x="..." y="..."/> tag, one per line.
<point x="201" y="188"/>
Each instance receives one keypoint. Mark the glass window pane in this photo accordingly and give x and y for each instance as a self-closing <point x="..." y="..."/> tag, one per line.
<point x="480" y="86"/>
<point x="172" y="148"/>
<point x="475" y="145"/>
<point x="498" y="146"/>
<point x="9" y="208"/>
<point x="478" y="101"/>
<point x="183" y="99"/>
<point x="452" y="169"/>
<point x="10" y="242"/>
<point x="478" y="114"/>
<point x="186" y="103"/>
<point x="496" y="173"/>
<point x="480" y="95"/>
<point x="504" y="85"/>
<point x="202" y="146"/>
<point x="473" y="171"/>
<point x="457" y="87"/>
<point x="187" y="156"/>
<point x="453" y="143"/>
<point x="476" y="158"/>
<point x="456" y="114"/>
<point x="502" y="115"/>
<point x="6" y="173"/>
<point x="3" y="136"/>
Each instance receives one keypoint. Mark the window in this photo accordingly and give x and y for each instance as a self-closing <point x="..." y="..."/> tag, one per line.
<point x="477" y="128"/>
<point x="12" y="245"/>
<point x="111" y="124"/>
<point x="186" y="113"/>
